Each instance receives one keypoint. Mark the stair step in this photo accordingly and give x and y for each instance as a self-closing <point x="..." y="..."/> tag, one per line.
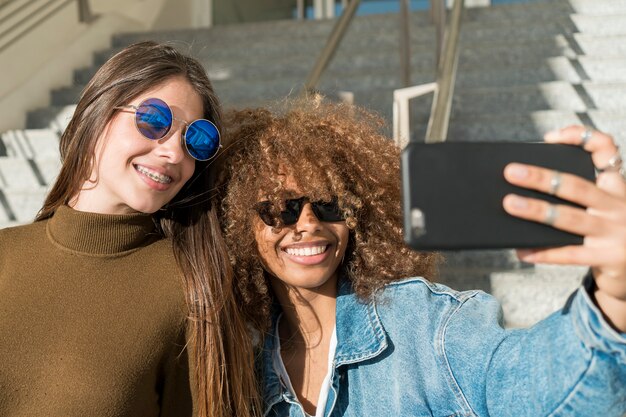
<point x="527" y="127"/>
<point x="531" y="127"/>
<point x="54" y="117"/>
<point x="292" y="76"/>
<point x="23" y="205"/>
<point x="502" y="15"/>
<point x="474" y="102"/>
<point x="557" y="95"/>
<point x="379" y="47"/>
<point x="529" y="295"/>
<point x="596" y="8"/>
<point x="21" y="175"/>
<point x="471" y="269"/>
<point x="31" y="143"/>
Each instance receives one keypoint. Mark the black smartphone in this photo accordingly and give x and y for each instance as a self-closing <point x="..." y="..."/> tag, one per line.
<point x="452" y="194"/>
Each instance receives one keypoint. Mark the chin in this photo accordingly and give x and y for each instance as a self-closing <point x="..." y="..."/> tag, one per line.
<point x="309" y="283"/>
<point x="146" y="208"/>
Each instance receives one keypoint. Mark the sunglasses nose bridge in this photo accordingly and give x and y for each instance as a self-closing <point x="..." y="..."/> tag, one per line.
<point x="172" y="145"/>
<point x="307" y="219"/>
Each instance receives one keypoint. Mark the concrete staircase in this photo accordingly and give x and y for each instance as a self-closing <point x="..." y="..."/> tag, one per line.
<point x="524" y="69"/>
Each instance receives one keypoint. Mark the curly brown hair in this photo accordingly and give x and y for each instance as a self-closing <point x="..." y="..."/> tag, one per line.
<point x="328" y="150"/>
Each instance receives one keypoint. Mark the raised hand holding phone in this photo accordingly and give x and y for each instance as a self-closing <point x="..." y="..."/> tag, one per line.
<point x="602" y="224"/>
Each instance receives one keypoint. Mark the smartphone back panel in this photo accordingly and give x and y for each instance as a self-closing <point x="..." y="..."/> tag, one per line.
<point x="452" y="194"/>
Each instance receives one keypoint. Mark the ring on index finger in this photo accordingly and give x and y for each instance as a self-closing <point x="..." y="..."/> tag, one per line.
<point x="555" y="182"/>
<point x="551" y="215"/>
<point x="585" y="136"/>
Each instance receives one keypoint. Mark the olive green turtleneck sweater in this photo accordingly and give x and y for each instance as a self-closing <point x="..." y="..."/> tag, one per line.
<point x="92" y="319"/>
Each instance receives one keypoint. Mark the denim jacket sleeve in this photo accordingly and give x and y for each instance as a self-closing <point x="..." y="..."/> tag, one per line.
<point x="570" y="364"/>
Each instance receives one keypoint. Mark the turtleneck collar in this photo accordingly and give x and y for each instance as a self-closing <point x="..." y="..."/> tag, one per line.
<point x="100" y="234"/>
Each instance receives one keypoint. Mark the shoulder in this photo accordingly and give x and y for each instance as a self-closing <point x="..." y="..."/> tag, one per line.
<point x="12" y="236"/>
<point x="421" y="288"/>
<point x="437" y="303"/>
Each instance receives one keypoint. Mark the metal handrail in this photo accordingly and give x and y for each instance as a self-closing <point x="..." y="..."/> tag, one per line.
<point x="443" y="87"/>
<point x="405" y="41"/>
<point x="15" y="12"/>
<point x="438" y="18"/>
<point x="331" y="46"/>
<point x="30" y="22"/>
<point x="446" y="76"/>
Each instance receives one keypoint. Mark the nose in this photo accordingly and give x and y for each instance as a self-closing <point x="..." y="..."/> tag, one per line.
<point x="171" y="147"/>
<point x="308" y="221"/>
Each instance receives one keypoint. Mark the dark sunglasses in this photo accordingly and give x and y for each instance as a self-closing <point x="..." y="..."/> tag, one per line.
<point x="324" y="211"/>
<point x="154" y="118"/>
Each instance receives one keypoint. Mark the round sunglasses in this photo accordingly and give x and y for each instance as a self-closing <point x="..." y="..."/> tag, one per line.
<point x="324" y="211"/>
<point x="154" y="118"/>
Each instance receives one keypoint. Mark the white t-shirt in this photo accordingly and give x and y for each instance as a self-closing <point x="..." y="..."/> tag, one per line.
<point x="280" y="369"/>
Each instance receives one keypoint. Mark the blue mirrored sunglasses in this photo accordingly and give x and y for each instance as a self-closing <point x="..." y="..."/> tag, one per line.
<point x="154" y="118"/>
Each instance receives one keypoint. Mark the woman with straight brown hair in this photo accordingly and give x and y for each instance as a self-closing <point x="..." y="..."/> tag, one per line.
<point x="117" y="300"/>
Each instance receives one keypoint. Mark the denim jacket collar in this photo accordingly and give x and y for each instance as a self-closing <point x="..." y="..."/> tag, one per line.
<point x="360" y="333"/>
<point x="360" y="336"/>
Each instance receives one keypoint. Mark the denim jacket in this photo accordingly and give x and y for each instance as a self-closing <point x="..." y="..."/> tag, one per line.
<point x="422" y="349"/>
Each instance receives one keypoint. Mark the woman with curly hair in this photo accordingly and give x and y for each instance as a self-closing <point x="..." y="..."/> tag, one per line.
<point x="311" y="214"/>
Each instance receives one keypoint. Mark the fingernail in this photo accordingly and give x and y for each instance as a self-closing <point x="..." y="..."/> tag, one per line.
<point x="517" y="202"/>
<point x="517" y="171"/>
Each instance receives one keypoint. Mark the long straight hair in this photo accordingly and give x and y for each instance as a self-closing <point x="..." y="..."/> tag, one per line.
<point x="219" y="343"/>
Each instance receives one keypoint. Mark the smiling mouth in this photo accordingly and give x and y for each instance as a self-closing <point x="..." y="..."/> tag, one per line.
<point x="308" y="251"/>
<point x="154" y="176"/>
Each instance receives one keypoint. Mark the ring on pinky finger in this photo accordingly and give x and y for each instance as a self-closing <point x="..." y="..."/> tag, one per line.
<point x="551" y="215"/>
<point x="613" y="165"/>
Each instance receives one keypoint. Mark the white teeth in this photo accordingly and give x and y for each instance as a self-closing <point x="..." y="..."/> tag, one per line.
<point x="155" y="176"/>
<point x="308" y="251"/>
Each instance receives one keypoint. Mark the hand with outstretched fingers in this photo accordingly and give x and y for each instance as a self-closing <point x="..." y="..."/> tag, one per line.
<point x="602" y="224"/>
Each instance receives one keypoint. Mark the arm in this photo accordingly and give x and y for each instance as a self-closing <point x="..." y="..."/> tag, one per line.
<point x="570" y="364"/>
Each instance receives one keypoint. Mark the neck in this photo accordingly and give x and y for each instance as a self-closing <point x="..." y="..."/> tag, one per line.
<point x="308" y="313"/>
<point x="88" y="200"/>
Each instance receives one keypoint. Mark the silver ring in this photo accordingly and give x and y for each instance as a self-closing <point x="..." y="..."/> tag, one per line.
<point x="585" y="136"/>
<point x="551" y="215"/>
<point x="555" y="182"/>
<point x="614" y="164"/>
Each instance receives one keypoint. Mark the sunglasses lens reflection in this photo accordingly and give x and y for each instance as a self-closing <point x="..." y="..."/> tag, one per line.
<point x="202" y="139"/>
<point x="153" y="118"/>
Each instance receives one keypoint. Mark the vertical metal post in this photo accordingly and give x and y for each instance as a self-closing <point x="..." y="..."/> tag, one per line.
<point x="437" y="130"/>
<point x="300" y="9"/>
<point x="210" y="14"/>
<point x="317" y="9"/>
<point x="329" y="9"/>
<point x="84" y="12"/>
<point x="438" y="16"/>
<point x="405" y="40"/>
